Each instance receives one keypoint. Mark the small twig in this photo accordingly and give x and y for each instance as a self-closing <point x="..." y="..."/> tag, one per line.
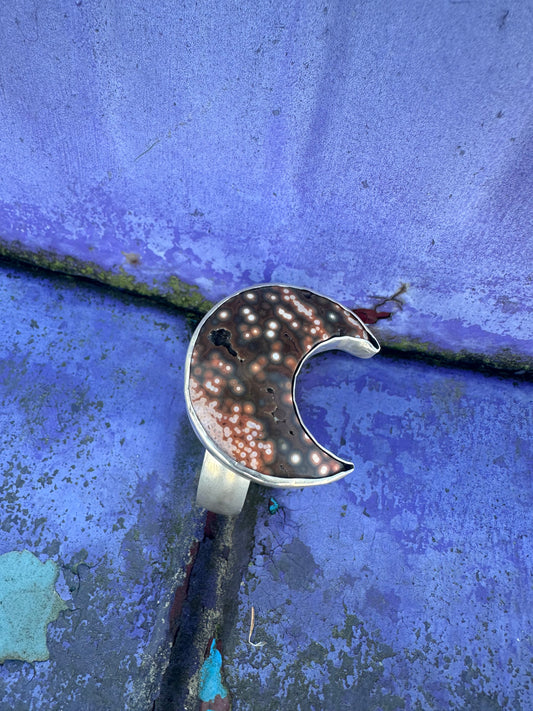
<point x="256" y="644"/>
<point x="382" y="300"/>
<point x="157" y="140"/>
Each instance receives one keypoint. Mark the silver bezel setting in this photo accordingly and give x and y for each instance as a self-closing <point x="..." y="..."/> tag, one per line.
<point x="344" y="343"/>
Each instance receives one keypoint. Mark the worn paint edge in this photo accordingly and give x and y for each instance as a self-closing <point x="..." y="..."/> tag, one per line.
<point x="31" y="582"/>
<point x="188" y="298"/>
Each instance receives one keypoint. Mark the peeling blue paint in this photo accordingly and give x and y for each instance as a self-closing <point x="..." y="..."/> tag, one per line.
<point x="210" y="676"/>
<point x="273" y="506"/>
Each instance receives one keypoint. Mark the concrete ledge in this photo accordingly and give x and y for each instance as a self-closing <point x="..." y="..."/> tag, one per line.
<point x="188" y="299"/>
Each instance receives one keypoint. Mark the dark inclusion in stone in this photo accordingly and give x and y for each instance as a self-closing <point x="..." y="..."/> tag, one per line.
<point x="222" y="337"/>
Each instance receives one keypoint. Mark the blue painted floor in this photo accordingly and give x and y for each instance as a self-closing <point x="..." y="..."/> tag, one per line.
<point x="97" y="484"/>
<point x="406" y="585"/>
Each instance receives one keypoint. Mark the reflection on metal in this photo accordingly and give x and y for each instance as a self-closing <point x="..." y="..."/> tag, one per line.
<point x="219" y="489"/>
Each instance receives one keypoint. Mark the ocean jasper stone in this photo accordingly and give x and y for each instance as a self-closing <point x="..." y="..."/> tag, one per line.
<point x="244" y="360"/>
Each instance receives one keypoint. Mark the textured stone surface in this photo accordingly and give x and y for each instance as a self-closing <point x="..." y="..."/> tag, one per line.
<point x="346" y="147"/>
<point x="97" y="480"/>
<point x="406" y="585"/>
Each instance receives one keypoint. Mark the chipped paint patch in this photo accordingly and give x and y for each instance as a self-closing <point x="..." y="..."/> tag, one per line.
<point x="211" y="689"/>
<point x="28" y="603"/>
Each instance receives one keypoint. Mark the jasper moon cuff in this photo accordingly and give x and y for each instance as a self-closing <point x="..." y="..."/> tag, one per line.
<point x="240" y="376"/>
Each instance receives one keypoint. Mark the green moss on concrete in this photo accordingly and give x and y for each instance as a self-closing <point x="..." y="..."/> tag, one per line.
<point x="505" y="362"/>
<point x="188" y="298"/>
<point x="173" y="290"/>
<point x="318" y="677"/>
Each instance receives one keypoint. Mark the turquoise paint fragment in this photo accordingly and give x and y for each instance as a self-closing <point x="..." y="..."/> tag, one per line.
<point x="273" y="506"/>
<point x="28" y="602"/>
<point x="210" y="676"/>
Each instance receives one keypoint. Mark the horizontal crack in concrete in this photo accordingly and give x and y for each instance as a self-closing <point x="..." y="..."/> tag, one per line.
<point x="187" y="298"/>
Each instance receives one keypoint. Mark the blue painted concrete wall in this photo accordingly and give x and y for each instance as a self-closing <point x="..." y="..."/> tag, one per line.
<point x="406" y="585"/>
<point x="350" y="147"/>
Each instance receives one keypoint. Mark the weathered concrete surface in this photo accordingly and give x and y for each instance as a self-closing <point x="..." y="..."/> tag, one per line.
<point x="347" y="147"/>
<point x="97" y="478"/>
<point x="407" y="585"/>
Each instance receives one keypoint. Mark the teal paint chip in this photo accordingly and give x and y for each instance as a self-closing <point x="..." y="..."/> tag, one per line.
<point x="273" y="506"/>
<point x="210" y="676"/>
<point x="28" y="603"/>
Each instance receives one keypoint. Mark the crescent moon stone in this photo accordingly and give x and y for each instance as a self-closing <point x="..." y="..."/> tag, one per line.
<point x="245" y="356"/>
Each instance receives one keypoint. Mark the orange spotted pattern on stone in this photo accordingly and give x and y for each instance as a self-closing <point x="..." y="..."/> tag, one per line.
<point x="241" y="377"/>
